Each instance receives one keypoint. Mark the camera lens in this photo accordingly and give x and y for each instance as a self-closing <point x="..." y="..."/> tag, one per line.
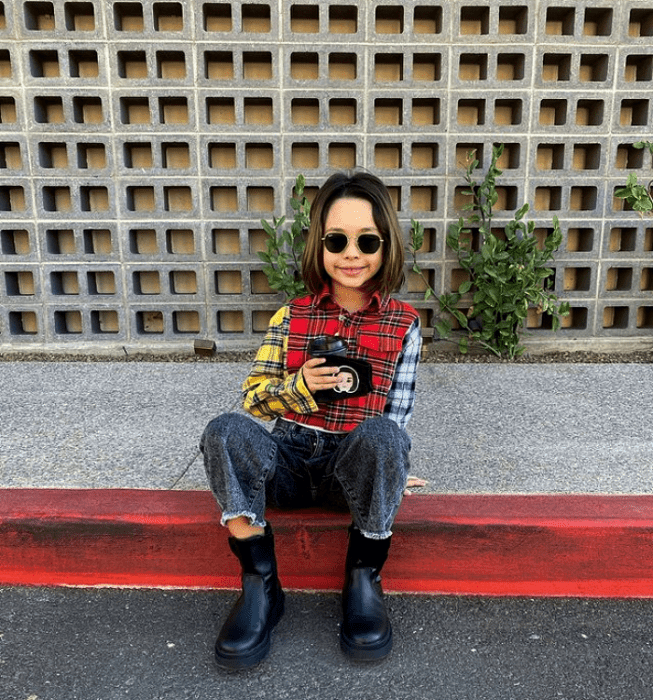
<point x="325" y="345"/>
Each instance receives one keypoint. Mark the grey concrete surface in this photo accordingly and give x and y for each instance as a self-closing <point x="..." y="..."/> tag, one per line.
<point x="501" y="428"/>
<point x="104" y="644"/>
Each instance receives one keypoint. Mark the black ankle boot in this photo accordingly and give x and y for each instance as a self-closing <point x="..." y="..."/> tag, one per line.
<point x="244" y="639"/>
<point x="366" y="633"/>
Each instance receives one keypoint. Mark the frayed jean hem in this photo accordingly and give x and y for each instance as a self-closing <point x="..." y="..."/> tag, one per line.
<point x="376" y="535"/>
<point x="252" y="517"/>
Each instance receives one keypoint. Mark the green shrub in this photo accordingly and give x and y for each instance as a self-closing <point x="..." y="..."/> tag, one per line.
<point x="639" y="197"/>
<point x="507" y="275"/>
<point x="284" y="247"/>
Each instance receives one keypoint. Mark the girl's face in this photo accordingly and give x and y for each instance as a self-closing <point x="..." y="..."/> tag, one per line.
<point x="351" y="269"/>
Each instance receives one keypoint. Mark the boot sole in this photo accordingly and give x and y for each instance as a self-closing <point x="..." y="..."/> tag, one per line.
<point x="373" y="653"/>
<point x="256" y="655"/>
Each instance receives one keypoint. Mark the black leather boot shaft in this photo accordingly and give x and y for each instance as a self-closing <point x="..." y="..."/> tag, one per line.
<point x="366" y="632"/>
<point x="244" y="639"/>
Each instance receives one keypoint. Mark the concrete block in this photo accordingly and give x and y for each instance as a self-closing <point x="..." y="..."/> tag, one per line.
<point x="162" y="133"/>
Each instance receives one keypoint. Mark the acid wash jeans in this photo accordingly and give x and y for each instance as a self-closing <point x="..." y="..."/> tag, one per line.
<point x="295" y="466"/>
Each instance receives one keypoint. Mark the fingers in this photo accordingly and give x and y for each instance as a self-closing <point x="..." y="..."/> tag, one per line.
<point x="317" y="376"/>
<point x="314" y="362"/>
<point x="413" y="482"/>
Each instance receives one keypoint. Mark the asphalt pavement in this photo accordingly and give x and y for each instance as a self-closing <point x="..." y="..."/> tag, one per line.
<point x="108" y="644"/>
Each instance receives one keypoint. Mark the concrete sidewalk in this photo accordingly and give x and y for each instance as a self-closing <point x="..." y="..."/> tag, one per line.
<point x="540" y="481"/>
<point x="477" y="428"/>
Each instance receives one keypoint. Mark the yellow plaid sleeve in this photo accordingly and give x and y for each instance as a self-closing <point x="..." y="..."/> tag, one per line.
<point x="270" y="391"/>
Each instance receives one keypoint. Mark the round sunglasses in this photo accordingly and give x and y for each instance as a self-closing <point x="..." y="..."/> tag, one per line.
<point x="367" y="243"/>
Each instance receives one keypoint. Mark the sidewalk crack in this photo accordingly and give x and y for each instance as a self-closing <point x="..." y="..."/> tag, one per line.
<point x="185" y="469"/>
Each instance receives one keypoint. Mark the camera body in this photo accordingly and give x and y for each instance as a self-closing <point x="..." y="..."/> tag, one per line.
<point x="354" y="375"/>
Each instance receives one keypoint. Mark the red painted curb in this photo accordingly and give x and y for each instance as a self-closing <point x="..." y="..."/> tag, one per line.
<point x="568" y="545"/>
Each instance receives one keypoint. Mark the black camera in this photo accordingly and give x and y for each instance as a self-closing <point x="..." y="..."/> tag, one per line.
<point x="354" y="375"/>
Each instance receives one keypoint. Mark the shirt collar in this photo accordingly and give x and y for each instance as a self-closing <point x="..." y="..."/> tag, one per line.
<point x="376" y="303"/>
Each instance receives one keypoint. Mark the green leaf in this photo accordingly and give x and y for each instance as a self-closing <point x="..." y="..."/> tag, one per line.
<point x="267" y="228"/>
<point x="492" y="292"/>
<point x="443" y="328"/>
<point x="460" y="317"/>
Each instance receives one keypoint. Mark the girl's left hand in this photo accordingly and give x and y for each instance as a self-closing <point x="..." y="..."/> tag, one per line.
<point x="412" y="483"/>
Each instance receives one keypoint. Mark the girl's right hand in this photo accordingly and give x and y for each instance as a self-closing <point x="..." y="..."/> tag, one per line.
<point x="318" y="377"/>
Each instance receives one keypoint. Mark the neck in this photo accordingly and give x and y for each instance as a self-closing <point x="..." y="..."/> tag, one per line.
<point x="351" y="300"/>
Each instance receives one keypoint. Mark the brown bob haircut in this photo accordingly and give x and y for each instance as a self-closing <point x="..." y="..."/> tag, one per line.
<point x="359" y="185"/>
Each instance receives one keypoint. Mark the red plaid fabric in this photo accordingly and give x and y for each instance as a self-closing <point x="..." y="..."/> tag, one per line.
<point x="375" y="334"/>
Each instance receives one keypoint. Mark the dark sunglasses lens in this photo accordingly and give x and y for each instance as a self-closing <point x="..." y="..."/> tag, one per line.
<point x="335" y="242"/>
<point x="368" y="243"/>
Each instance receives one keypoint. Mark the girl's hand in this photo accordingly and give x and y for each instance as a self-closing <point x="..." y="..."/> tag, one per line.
<point x="413" y="482"/>
<point x="317" y="377"/>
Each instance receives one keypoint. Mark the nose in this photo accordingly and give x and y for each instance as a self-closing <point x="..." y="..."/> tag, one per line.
<point x="351" y="250"/>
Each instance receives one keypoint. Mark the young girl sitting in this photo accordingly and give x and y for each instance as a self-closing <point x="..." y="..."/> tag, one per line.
<point x="350" y="451"/>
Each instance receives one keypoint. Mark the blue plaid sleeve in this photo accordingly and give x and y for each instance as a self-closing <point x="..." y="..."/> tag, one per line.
<point x="401" y="397"/>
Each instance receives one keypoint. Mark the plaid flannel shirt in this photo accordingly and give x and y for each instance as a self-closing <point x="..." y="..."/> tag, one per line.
<point x="270" y="391"/>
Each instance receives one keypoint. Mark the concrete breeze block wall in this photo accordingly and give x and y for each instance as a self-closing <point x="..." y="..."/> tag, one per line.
<point x="141" y="142"/>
